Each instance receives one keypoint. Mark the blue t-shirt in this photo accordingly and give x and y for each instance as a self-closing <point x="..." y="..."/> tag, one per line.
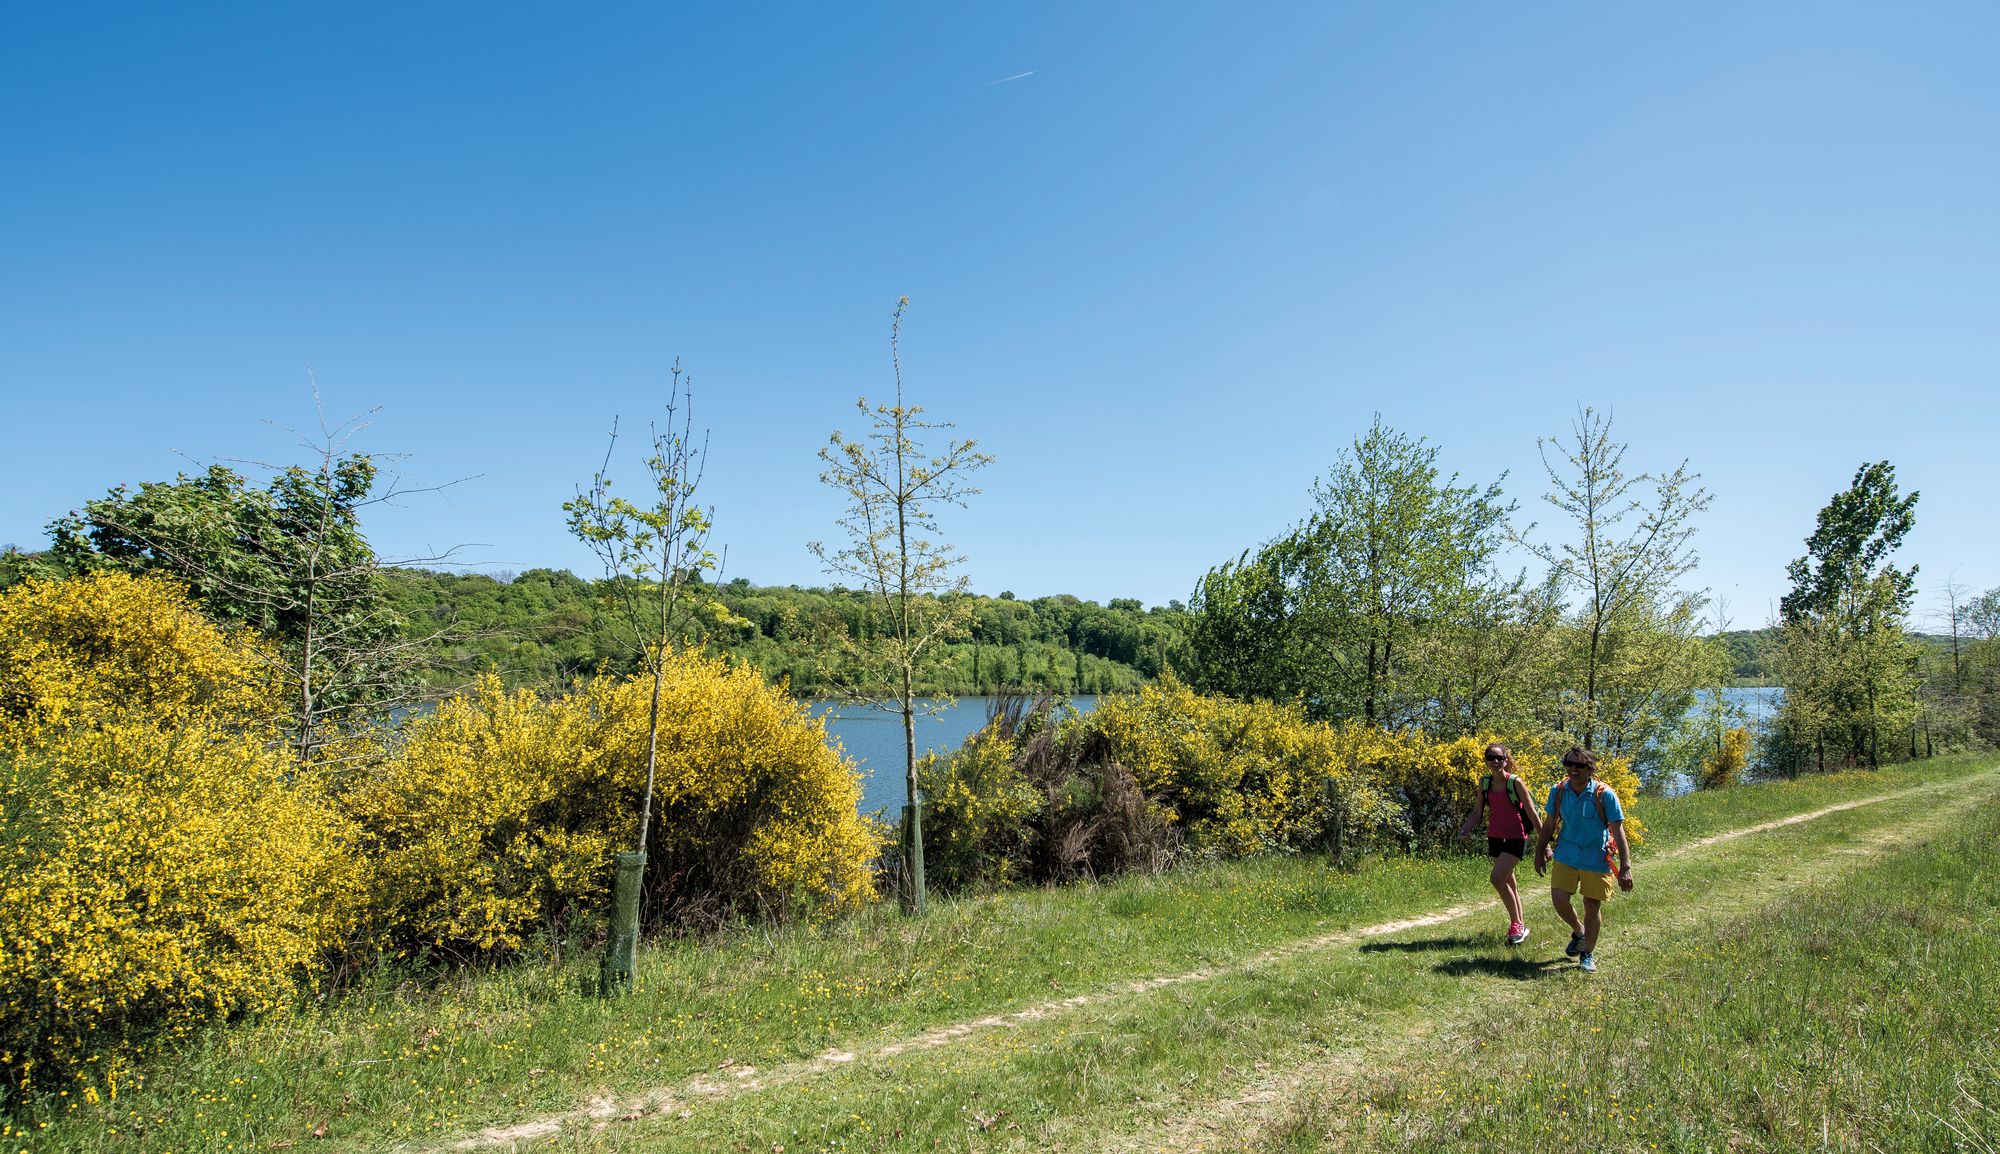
<point x="1584" y="836"/>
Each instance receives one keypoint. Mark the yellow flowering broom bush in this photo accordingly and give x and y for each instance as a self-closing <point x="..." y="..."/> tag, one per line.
<point x="81" y="648"/>
<point x="1244" y="777"/>
<point x="1434" y="781"/>
<point x="1228" y="778"/>
<point x="152" y="880"/>
<point x="498" y="817"/>
<point x="978" y="813"/>
<point x="1723" y="767"/>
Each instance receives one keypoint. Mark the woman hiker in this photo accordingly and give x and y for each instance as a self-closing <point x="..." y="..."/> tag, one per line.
<point x="1510" y="814"/>
<point x="1591" y="823"/>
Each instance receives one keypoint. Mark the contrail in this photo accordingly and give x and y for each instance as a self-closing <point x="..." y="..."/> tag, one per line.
<point x="1005" y="79"/>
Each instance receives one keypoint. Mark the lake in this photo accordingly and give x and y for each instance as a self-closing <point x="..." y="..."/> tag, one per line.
<point x="874" y="739"/>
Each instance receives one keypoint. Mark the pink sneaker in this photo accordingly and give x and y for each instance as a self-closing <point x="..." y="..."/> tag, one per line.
<point x="1516" y="934"/>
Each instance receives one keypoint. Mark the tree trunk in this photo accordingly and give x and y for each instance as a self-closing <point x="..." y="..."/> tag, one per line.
<point x="621" y="954"/>
<point x="914" y="807"/>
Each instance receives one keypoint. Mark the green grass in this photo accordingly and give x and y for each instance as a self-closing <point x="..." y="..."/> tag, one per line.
<point x="1151" y="1067"/>
<point x="1860" y="1015"/>
<point x="413" y="1066"/>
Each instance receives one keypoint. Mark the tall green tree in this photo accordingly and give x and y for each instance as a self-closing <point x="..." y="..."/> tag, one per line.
<point x="1634" y="659"/>
<point x="1849" y="667"/>
<point x="1367" y="608"/>
<point x="894" y="551"/>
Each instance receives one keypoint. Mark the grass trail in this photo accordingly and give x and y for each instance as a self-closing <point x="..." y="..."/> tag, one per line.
<point x="1134" y="1067"/>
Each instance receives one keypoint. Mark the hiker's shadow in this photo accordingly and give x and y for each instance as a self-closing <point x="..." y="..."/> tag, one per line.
<point x="1519" y="969"/>
<point x="1516" y="967"/>
<point x="1428" y="945"/>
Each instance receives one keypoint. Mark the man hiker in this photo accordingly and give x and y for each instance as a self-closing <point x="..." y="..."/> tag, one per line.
<point x="1510" y="814"/>
<point x="1590" y="822"/>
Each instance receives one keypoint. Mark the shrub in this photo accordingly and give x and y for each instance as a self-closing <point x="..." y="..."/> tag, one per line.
<point x="1245" y="777"/>
<point x="1724" y="766"/>
<point x="152" y="881"/>
<point x="978" y="810"/>
<point x="109" y="642"/>
<point x="499" y="815"/>
<point x="1034" y="796"/>
<point x="1125" y="786"/>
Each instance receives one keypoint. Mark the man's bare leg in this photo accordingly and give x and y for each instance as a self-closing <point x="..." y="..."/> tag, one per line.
<point x="1567" y="911"/>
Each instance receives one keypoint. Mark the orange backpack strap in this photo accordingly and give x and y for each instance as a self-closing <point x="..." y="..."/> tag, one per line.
<point x="1610" y="849"/>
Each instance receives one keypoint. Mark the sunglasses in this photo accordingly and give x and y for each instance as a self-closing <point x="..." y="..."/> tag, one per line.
<point x="1496" y="757"/>
<point x="1577" y="765"/>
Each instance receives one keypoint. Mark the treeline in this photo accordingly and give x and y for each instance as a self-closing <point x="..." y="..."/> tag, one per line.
<point x="1756" y="656"/>
<point x="546" y="627"/>
<point x="1392" y="603"/>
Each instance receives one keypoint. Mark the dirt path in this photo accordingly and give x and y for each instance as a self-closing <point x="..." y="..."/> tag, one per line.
<point x="683" y="1097"/>
<point x="1231" y="1120"/>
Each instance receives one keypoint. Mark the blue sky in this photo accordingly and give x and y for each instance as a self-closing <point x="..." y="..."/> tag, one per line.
<point x="1162" y="279"/>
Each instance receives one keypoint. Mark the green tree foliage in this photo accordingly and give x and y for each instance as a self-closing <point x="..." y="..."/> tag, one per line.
<point x="548" y="627"/>
<point x="287" y="559"/>
<point x="1386" y="605"/>
<point x="1850" y="671"/>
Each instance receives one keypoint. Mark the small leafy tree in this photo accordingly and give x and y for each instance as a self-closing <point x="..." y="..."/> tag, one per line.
<point x="894" y="486"/>
<point x="1635" y="659"/>
<point x="652" y="554"/>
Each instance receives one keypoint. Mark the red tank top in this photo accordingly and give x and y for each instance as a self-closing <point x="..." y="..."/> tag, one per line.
<point x="1503" y="816"/>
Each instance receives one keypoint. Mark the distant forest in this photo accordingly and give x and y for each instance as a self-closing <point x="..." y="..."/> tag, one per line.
<point x="1754" y="653"/>
<point x="541" y="628"/>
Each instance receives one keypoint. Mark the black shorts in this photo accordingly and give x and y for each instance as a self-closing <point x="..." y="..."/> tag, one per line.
<point x="1518" y="846"/>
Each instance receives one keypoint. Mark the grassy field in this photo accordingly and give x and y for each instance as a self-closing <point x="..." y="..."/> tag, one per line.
<point x="1173" y="1012"/>
<point x="1858" y="1015"/>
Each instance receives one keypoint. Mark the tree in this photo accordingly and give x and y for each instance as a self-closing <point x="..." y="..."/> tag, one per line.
<point x="893" y="486"/>
<point x="1240" y="633"/>
<point x="1634" y="659"/>
<point x="1981" y="615"/>
<point x="1350" y="610"/>
<point x="1849" y="667"/>
<point x="288" y="559"/>
<point x="651" y="555"/>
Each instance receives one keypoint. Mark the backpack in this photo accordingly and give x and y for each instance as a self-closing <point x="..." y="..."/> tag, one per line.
<point x="1513" y="784"/>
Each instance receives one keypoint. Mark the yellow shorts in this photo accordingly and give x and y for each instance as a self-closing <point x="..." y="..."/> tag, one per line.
<point x="1577" y="881"/>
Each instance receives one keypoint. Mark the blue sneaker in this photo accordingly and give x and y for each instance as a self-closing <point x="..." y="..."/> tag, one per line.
<point x="1587" y="963"/>
<point x="1575" y="947"/>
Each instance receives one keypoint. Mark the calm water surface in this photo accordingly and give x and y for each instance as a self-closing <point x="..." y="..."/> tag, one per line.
<point x="874" y="740"/>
